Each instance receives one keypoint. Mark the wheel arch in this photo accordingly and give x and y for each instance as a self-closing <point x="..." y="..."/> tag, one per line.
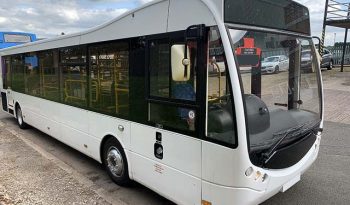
<point x="104" y="140"/>
<point x="16" y="106"/>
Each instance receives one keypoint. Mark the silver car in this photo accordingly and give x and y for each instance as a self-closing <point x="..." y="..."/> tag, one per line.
<point x="274" y="64"/>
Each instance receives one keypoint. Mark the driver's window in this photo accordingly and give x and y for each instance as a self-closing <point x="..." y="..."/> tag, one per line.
<point x="219" y="115"/>
<point x="171" y="101"/>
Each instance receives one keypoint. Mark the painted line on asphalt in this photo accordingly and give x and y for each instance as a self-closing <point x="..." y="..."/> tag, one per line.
<point x="81" y="178"/>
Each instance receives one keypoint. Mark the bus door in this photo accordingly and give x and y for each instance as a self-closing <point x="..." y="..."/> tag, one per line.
<point x="7" y="99"/>
<point x="168" y="151"/>
<point x="10" y="101"/>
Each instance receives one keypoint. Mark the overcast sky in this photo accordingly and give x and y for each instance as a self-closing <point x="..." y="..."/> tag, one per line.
<point x="48" y="18"/>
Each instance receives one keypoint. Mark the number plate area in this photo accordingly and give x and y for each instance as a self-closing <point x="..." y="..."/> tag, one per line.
<point x="290" y="183"/>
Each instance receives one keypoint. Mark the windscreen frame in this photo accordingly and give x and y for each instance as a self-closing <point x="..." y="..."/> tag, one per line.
<point x="229" y="26"/>
<point x="306" y="30"/>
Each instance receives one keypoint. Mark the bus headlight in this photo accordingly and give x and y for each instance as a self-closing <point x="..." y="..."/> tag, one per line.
<point x="249" y="171"/>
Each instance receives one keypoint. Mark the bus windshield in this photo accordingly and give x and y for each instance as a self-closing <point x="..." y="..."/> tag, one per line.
<point x="282" y="98"/>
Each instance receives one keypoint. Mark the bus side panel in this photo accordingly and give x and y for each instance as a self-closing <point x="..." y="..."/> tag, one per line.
<point x="75" y="129"/>
<point x="177" y="174"/>
<point x="65" y="123"/>
<point x="101" y="125"/>
<point x="81" y="129"/>
<point x="165" y="180"/>
<point x="33" y="114"/>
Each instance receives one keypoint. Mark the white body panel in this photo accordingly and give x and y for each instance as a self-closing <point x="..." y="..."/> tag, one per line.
<point x="137" y="23"/>
<point x="180" y="166"/>
<point x="10" y="101"/>
<point x="182" y="14"/>
<point x="219" y="194"/>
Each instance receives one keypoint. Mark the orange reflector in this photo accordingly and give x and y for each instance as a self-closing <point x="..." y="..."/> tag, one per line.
<point x="204" y="202"/>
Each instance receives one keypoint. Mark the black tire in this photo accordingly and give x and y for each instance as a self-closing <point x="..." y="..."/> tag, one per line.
<point x="330" y="66"/>
<point x="19" y="117"/>
<point x="277" y="69"/>
<point x="113" y="154"/>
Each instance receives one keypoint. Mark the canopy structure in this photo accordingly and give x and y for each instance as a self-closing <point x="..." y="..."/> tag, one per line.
<point x="337" y="14"/>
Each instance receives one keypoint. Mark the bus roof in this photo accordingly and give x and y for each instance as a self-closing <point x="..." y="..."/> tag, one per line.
<point x="171" y="15"/>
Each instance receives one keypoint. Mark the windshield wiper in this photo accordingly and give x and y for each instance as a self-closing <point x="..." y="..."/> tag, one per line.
<point x="294" y="131"/>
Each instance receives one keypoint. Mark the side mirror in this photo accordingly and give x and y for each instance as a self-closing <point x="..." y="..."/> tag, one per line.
<point x="180" y="66"/>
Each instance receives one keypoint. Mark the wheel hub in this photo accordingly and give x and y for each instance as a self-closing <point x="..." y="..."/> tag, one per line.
<point x="115" y="162"/>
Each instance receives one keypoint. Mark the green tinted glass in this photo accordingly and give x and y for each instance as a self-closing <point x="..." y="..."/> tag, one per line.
<point x="32" y="75"/>
<point x="48" y="63"/>
<point x="17" y="69"/>
<point x="74" y="76"/>
<point x="109" y="78"/>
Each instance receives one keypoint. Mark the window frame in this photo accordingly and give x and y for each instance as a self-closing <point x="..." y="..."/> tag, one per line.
<point x="172" y="38"/>
<point x="88" y="69"/>
<point x="60" y="74"/>
<point x="230" y="90"/>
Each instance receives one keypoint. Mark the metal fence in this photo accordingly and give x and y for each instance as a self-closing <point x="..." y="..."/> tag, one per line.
<point x="337" y="51"/>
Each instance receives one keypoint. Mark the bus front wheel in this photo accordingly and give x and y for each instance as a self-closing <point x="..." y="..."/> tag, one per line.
<point x="115" y="162"/>
<point x="19" y="117"/>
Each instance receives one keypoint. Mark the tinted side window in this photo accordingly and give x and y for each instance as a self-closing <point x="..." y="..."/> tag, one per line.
<point x="74" y="76"/>
<point x="17" y="70"/>
<point x="159" y="68"/>
<point x="32" y="74"/>
<point x="109" y="78"/>
<point x="48" y="63"/>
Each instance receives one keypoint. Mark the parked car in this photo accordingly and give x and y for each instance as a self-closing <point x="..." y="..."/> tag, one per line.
<point x="327" y="60"/>
<point x="274" y="64"/>
<point x="306" y="61"/>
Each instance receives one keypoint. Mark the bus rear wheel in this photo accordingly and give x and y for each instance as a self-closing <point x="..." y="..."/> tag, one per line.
<point x="115" y="162"/>
<point x="19" y="117"/>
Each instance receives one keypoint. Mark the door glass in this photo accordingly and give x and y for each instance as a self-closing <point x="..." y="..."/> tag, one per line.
<point x="164" y="108"/>
<point x="220" y="124"/>
<point x="175" y="117"/>
<point x="6" y="74"/>
<point x="159" y="68"/>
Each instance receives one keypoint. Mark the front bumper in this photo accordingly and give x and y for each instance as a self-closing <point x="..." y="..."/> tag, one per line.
<point x="277" y="181"/>
<point x="267" y="70"/>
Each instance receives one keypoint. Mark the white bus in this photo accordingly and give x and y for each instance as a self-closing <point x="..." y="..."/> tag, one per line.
<point x="136" y="94"/>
